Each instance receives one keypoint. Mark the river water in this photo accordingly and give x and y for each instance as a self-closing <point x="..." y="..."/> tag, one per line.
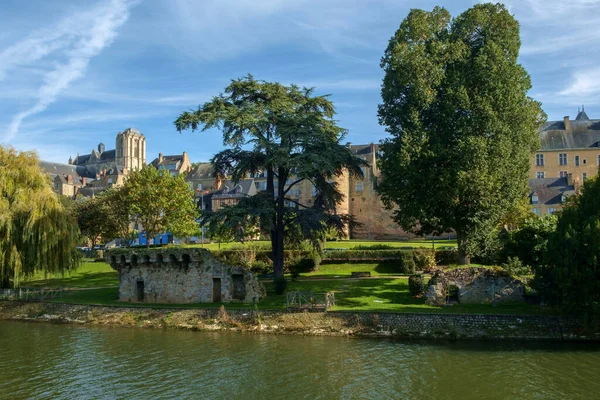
<point x="48" y="361"/>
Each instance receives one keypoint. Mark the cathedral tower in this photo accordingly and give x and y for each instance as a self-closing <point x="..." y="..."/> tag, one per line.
<point x="131" y="149"/>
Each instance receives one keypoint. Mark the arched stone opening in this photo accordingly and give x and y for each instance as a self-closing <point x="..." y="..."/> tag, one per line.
<point x="186" y="260"/>
<point x="134" y="259"/>
<point x="146" y="259"/>
<point x="159" y="258"/>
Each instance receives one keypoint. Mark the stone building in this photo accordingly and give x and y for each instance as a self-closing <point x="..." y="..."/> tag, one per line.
<point x="181" y="276"/>
<point x="176" y="165"/>
<point x="129" y="153"/>
<point x="547" y="195"/>
<point x="67" y="180"/>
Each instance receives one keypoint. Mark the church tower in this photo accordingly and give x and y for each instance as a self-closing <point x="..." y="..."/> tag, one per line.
<point x="130" y="150"/>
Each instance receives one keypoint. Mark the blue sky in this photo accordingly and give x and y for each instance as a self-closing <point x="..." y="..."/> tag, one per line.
<point x="73" y="74"/>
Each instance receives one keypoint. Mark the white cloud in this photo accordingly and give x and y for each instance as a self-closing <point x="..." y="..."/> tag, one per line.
<point x="71" y="44"/>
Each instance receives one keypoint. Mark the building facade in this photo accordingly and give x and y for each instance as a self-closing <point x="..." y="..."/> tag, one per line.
<point x="569" y="154"/>
<point x="176" y="165"/>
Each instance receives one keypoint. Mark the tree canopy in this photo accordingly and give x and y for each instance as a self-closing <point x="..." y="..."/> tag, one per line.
<point x="288" y="133"/>
<point x="463" y="128"/>
<point x="161" y="202"/>
<point x="37" y="232"/>
<point x="570" y="276"/>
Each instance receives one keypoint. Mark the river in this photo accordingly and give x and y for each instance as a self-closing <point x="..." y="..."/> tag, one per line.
<point x="46" y="361"/>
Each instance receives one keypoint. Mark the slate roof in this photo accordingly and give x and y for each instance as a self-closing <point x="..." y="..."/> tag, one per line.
<point x="66" y="169"/>
<point x="550" y="190"/>
<point x="243" y="188"/>
<point x="167" y="160"/>
<point x="360" y="149"/>
<point x="95" y="156"/>
<point x="584" y="134"/>
<point x="202" y="171"/>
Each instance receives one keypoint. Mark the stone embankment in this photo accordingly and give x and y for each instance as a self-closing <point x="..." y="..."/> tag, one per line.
<point x="402" y="325"/>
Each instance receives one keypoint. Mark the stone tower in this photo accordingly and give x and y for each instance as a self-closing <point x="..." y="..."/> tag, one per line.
<point x="130" y="150"/>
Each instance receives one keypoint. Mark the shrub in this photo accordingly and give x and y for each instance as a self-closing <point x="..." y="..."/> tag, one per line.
<point x="280" y="285"/>
<point x="446" y="257"/>
<point x="261" y="267"/>
<point x="424" y="259"/>
<point x="515" y="267"/>
<point x="415" y="285"/>
<point x="374" y="247"/>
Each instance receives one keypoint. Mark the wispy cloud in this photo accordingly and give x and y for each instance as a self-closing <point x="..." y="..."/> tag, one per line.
<point x="74" y="41"/>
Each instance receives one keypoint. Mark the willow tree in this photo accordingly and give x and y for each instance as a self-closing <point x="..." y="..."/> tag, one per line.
<point x="289" y="134"/>
<point x="37" y="233"/>
<point x="462" y="125"/>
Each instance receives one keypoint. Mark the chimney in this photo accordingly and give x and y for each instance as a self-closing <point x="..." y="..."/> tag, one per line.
<point x="570" y="179"/>
<point x="160" y="157"/>
<point x="69" y="179"/>
<point x="218" y="182"/>
<point x="124" y="170"/>
<point x="101" y="148"/>
<point x="567" y="121"/>
<point x="83" y="181"/>
<point x="70" y="160"/>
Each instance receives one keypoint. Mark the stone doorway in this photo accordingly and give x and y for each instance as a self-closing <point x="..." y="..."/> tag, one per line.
<point x="239" y="287"/>
<point x="452" y="294"/>
<point x="216" y="297"/>
<point x="139" y="290"/>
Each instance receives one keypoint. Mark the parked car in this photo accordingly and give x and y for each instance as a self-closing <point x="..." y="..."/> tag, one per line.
<point x="99" y="247"/>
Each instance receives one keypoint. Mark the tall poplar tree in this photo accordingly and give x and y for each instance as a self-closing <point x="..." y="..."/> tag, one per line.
<point x="288" y="133"/>
<point x="454" y="100"/>
<point x="37" y="231"/>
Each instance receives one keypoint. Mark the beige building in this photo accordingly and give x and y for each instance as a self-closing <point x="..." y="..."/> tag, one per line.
<point x="176" y="165"/>
<point x="569" y="154"/>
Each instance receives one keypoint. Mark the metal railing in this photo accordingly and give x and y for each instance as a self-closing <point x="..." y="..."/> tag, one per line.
<point x="31" y="294"/>
<point x="309" y="300"/>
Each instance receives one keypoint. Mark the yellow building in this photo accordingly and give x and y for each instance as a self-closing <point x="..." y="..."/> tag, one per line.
<point x="569" y="154"/>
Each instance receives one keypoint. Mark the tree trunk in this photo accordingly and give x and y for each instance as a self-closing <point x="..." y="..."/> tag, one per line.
<point x="463" y="255"/>
<point x="5" y="282"/>
<point x="277" y="239"/>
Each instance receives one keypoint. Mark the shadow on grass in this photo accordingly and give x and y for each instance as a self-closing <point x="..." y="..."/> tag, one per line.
<point x="82" y="280"/>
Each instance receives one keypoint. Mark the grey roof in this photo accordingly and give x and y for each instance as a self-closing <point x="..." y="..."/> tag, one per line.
<point x="583" y="134"/>
<point x="243" y="188"/>
<point x="167" y="160"/>
<point x="66" y="169"/>
<point x="581" y="116"/>
<point x="550" y="190"/>
<point x="95" y="156"/>
<point x="363" y="148"/>
<point x="202" y="171"/>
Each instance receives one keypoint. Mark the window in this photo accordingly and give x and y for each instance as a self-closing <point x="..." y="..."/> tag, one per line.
<point x="110" y="180"/>
<point x="563" y="198"/>
<point x="584" y="161"/>
<point x="173" y="173"/>
<point x="563" y="174"/>
<point x="551" y="210"/>
<point x="536" y="210"/>
<point x="539" y="175"/>
<point x="539" y="160"/>
<point x="365" y="172"/>
<point x="577" y="161"/>
<point x="534" y="198"/>
<point x="261" y="185"/>
<point x="314" y="191"/>
<point x="199" y="186"/>
<point x="584" y="176"/>
<point x="598" y="159"/>
<point x="172" y="167"/>
<point x="562" y="159"/>
<point x="359" y="187"/>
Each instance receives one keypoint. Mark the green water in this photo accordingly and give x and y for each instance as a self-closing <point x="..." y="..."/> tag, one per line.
<point x="45" y="361"/>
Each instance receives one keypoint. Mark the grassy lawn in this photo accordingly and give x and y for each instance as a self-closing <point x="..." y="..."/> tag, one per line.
<point x="351" y="295"/>
<point x="344" y="270"/>
<point x="341" y="244"/>
<point x="89" y="275"/>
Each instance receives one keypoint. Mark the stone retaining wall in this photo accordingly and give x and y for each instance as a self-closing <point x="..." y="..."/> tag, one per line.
<point x="337" y="323"/>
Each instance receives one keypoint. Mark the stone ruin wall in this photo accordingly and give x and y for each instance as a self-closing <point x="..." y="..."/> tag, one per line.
<point x="474" y="286"/>
<point x="190" y="276"/>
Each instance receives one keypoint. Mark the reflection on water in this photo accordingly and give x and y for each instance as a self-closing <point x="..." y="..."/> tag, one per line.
<point x="60" y="361"/>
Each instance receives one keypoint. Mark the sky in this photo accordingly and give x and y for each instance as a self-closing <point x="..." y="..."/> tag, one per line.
<point x="74" y="74"/>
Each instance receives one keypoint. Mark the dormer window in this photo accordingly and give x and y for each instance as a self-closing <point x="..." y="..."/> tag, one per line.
<point x="535" y="199"/>
<point x="563" y="198"/>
